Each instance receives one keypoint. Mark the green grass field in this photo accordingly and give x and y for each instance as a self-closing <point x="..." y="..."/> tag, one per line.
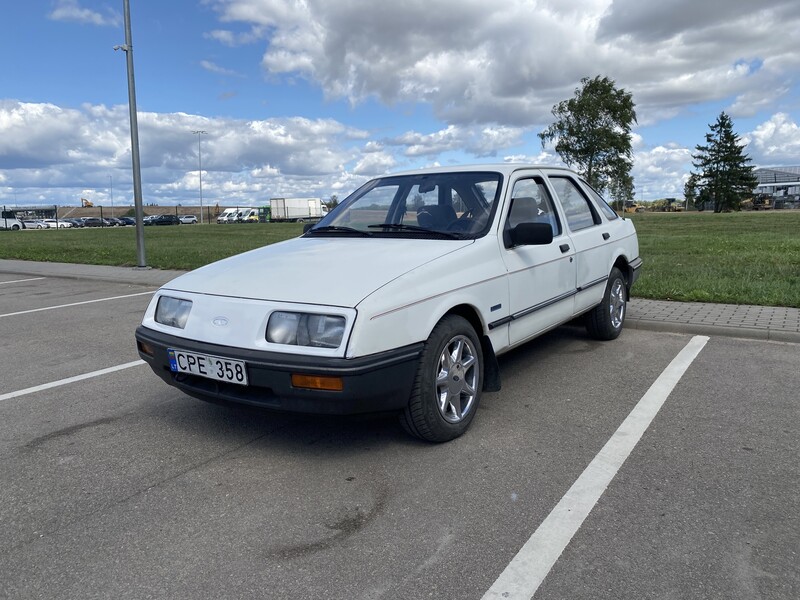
<point x="737" y="258"/>
<point x="182" y="247"/>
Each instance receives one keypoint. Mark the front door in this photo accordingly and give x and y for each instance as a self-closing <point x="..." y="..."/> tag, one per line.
<point x="541" y="278"/>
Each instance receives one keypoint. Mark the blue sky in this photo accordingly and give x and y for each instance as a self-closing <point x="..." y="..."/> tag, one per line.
<point x="313" y="97"/>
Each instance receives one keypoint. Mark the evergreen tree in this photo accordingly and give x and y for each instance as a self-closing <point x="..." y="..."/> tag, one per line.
<point x="593" y="134"/>
<point x="725" y="176"/>
<point x="690" y="191"/>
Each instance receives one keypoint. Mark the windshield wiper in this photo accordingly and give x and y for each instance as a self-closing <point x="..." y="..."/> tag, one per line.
<point x="404" y="227"/>
<point x="338" y="229"/>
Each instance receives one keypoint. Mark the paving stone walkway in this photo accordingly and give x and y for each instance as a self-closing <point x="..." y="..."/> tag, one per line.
<point x="760" y="322"/>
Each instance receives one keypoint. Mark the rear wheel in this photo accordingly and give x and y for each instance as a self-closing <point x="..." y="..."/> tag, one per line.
<point x="448" y="384"/>
<point x="605" y="321"/>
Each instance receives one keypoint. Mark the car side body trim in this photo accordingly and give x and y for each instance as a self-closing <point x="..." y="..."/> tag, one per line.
<point x="592" y="284"/>
<point x="532" y="309"/>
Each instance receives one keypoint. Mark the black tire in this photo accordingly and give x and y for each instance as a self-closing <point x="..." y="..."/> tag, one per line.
<point x="605" y="321"/>
<point x="445" y="397"/>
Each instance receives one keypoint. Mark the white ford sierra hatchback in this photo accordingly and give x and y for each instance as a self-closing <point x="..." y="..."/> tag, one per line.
<point x="400" y="299"/>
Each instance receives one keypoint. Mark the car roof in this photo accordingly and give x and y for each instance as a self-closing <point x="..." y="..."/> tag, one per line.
<point x="505" y="169"/>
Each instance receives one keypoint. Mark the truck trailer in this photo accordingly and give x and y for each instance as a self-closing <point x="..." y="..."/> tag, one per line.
<point x="296" y="209"/>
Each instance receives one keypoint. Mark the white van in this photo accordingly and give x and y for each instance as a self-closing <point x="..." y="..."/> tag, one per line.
<point x="248" y="215"/>
<point x="228" y="215"/>
<point x="8" y="220"/>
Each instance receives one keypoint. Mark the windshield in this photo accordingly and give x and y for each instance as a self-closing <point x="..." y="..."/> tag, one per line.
<point x="438" y="205"/>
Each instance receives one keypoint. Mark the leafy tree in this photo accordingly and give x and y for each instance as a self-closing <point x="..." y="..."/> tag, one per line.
<point x="333" y="202"/>
<point x="593" y="134"/>
<point x="621" y="190"/>
<point x="725" y="176"/>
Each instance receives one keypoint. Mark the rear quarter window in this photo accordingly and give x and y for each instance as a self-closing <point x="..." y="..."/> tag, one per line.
<point x="601" y="203"/>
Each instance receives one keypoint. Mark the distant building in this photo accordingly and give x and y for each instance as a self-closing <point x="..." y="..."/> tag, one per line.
<point x="33" y="212"/>
<point x="778" y="181"/>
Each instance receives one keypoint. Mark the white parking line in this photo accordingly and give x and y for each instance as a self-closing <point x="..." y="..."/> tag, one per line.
<point x="60" y="382"/>
<point x="526" y="571"/>
<point x="25" y="312"/>
<point x="22" y="280"/>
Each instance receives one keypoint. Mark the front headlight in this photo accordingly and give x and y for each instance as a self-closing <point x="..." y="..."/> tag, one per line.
<point x="173" y="311"/>
<point x="302" y="329"/>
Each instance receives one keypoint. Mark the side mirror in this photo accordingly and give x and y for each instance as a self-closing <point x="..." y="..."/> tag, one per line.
<point x="531" y="234"/>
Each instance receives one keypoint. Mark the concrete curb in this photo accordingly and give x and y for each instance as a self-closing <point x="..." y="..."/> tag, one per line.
<point x="749" y="333"/>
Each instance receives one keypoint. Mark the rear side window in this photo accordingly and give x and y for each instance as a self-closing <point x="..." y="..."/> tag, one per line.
<point x="578" y="209"/>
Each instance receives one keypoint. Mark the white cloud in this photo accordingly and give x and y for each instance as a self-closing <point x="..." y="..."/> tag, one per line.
<point x="661" y="172"/>
<point x="374" y="164"/>
<point x="488" y="71"/>
<point x="70" y="10"/>
<point x="509" y="61"/>
<point x="57" y="154"/>
<point x="212" y="67"/>
<point x="775" y="142"/>
<point x="233" y="39"/>
<point x="478" y="141"/>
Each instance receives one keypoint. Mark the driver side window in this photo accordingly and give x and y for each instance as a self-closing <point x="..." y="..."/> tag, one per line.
<point x="530" y="203"/>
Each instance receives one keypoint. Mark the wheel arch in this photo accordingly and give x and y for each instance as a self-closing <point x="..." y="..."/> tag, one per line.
<point x="622" y="264"/>
<point x="491" y="368"/>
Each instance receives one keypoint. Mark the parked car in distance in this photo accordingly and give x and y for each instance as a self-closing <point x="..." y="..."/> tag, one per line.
<point x="437" y="272"/>
<point x="188" y="219"/>
<point x="34" y="224"/>
<point x="127" y="221"/>
<point x="114" y="222"/>
<point x="95" y="222"/>
<point x="57" y="223"/>
<point x="166" y="220"/>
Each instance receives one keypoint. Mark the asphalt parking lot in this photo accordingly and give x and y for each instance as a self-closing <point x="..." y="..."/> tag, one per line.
<point x="113" y="485"/>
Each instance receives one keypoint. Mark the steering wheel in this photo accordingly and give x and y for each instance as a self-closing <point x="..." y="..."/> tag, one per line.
<point x="463" y="224"/>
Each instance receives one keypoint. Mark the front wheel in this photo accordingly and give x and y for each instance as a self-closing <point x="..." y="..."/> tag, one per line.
<point x="448" y="385"/>
<point x="604" y="321"/>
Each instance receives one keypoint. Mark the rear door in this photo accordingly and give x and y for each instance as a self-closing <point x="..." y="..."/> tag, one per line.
<point x="588" y="235"/>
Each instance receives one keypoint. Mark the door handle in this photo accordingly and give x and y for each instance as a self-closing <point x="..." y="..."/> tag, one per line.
<point x="606" y="236"/>
<point x="564" y="248"/>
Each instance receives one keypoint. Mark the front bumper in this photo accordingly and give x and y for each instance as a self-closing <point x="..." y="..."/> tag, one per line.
<point x="375" y="383"/>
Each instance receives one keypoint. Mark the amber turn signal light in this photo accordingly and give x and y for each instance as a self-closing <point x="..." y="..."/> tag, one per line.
<point x="317" y="382"/>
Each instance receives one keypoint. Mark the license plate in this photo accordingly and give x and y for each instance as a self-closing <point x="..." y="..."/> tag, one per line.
<point x="204" y="365"/>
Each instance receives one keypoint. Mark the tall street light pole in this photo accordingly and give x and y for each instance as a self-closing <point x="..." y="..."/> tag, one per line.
<point x="199" y="134"/>
<point x="111" y="194"/>
<point x="137" y="174"/>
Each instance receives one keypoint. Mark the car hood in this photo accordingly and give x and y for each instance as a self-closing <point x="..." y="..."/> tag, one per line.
<point x="328" y="271"/>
